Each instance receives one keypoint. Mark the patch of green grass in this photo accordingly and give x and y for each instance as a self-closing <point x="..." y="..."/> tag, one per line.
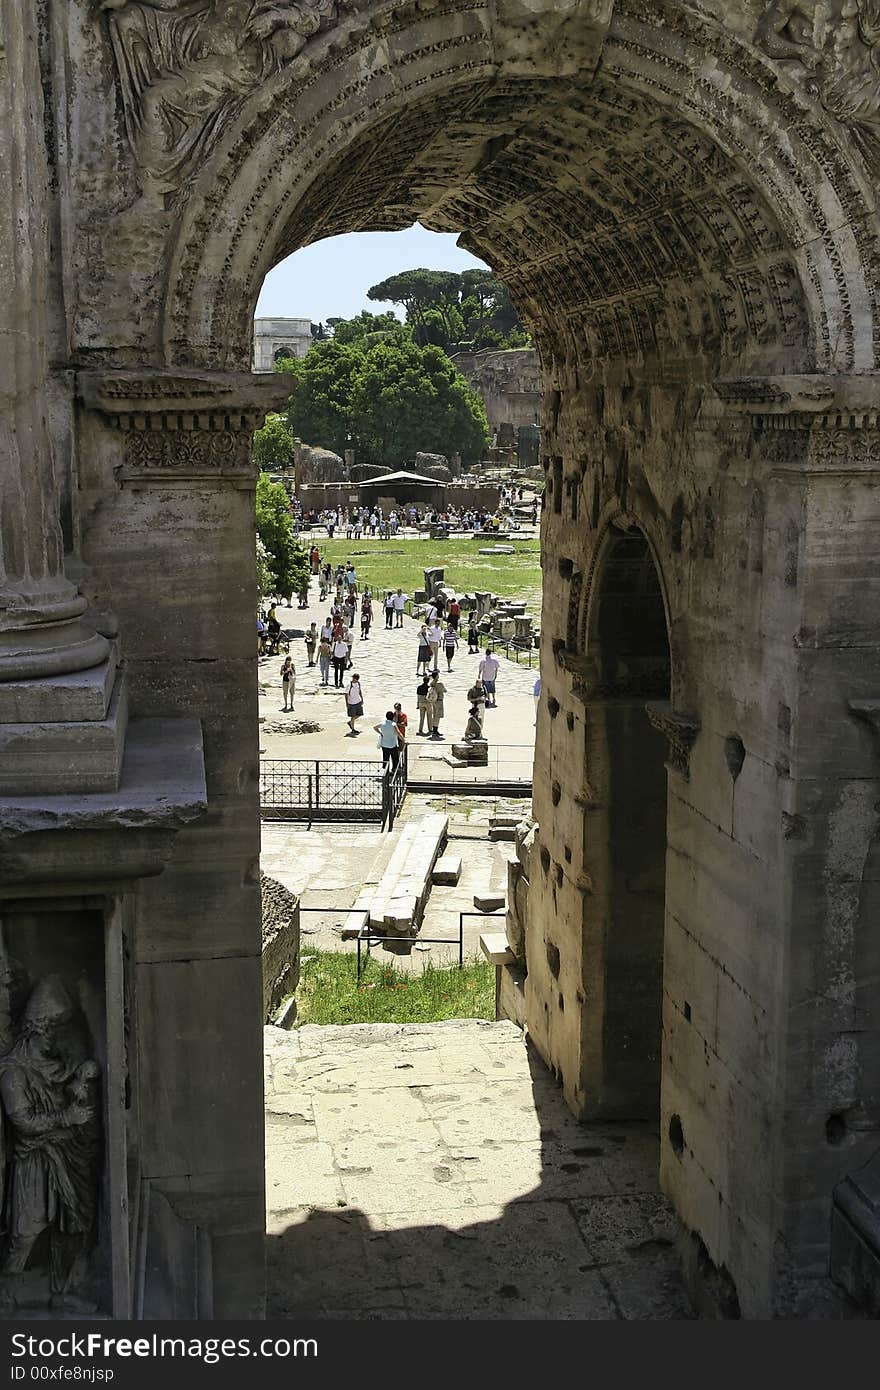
<point x="329" y="992"/>
<point x="400" y="564"/>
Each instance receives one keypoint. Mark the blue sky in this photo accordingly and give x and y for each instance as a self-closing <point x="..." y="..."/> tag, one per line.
<point x="330" y="279"/>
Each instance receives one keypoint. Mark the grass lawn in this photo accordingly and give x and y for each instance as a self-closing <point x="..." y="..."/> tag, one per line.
<point x="329" y="993"/>
<point x="400" y="564"/>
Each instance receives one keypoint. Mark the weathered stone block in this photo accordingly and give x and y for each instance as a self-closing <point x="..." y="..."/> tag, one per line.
<point x="447" y="870"/>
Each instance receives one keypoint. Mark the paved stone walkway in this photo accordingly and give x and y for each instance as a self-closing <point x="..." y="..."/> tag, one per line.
<point x="433" y="1171"/>
<point x="386" y="662"/>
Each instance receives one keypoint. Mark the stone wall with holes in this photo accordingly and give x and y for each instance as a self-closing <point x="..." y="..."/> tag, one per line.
<point x="759" y="515"/>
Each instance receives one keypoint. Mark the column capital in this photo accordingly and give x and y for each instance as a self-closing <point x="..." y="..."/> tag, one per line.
<point x="180" y="425"/>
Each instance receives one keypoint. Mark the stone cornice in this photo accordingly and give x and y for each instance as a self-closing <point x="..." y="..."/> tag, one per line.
<point x="183" y="425"/>
<point x="179" y="399"/>
<point x="804" y="401"/>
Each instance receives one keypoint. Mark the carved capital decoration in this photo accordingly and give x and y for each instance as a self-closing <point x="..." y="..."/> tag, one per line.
<point x="184" y="425"/>
<point x="817" y="424"/>
<point x="680" y="731"/>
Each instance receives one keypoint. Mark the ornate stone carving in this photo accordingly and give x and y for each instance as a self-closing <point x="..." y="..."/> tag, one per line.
<point x="185" y="425"/>
<point x="187" y="451"/>
<point x="50" y="1094"/>
<point x="680" y="731"/>
<point x="835" y="48"/>
<point x="571" y="34"/>
<point x="184" y="67"/>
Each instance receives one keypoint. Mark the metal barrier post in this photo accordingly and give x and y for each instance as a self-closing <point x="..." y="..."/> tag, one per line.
<point x="317" y="783"/>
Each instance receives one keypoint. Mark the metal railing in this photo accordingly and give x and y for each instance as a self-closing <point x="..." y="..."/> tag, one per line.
<point x="324" y="789"/>
<point x="368" y="936"/>
<point x="526" y="655"/>
<point x="509" y="766"/>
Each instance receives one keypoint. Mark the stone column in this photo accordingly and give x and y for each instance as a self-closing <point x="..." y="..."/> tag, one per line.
<point x="40" y="610"/>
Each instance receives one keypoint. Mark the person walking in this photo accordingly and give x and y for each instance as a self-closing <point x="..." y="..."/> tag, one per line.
<point x="324" y="654"/>
<point x="311" y="642"/>
<point x="423" y="656"/>
<point x="389" y="610"/>
<point x="422" y="703"/>
<point x="288" y="681"/>
<point x="340" y="658"/>
<point x="487" y="673"/>
<point x="454" y="613"/>
<point x="435" y="636"/>
<point x="354" y="702"/>
<point x="450" y="642"/>
<point x="473" y="637"/>
<point x="366" y="617"/>
<point x="436" y="691"/>
<point x="398" y="600"/>
<point x="389" y="740"/>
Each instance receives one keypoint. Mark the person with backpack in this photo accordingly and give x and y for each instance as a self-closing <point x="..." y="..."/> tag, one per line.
<point x="354" y="702"/>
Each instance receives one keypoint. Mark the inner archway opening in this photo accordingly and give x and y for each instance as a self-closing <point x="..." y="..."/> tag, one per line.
<point x="628" y="761"/>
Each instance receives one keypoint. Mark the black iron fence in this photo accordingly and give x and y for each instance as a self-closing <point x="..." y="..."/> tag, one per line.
<point x="326" y="789"/>
<point x="522" y="652"/>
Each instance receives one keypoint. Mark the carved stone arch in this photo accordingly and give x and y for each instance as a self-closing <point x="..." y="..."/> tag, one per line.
<point x="786" y="224"/>
<point x="612" y="522"/>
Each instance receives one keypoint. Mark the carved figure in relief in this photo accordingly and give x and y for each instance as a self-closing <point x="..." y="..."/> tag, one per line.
<point x="837" y="44"/>
<point x="185" y="65"/>
<point x="50" y="1101"/>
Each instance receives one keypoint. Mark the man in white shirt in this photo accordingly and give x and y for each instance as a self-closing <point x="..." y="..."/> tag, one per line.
<point x="398" y="601"/>
<point x="435" y="636"/>
<point x="487" y="673"/>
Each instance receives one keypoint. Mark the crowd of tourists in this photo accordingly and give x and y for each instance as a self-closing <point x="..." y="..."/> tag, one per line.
<point x="330" y="647"/>
<point x="354" y="523"/>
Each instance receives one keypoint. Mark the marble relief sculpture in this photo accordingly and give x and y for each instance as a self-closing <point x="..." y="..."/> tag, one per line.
<point x="184" y="65"/>
<point x="837" y="47"/>
<point x="51" y="1137"/>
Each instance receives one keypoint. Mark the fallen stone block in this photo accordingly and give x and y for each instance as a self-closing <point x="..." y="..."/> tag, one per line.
<point x="490" y="902"/>
<point x="495" y="949"/>
<point x="447" y="869"/>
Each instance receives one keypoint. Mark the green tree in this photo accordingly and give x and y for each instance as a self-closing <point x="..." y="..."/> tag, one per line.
<point x="288" y="562"/>
<point x="367" y="327"/>
<point x="273" y="444"/>
<point x="320" y="407"/>
<point x="407" y="398"/>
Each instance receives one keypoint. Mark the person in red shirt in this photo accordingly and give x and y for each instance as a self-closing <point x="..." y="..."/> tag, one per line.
<point x="401" y="721"/>
<point x="453" y="613"/>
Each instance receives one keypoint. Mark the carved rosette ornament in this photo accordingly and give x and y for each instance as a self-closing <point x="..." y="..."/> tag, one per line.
<point x="187" y="425"/>
<point x="680" y="731"/>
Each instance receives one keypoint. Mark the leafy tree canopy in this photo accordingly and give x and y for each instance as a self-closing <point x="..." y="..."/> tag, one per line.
<point x="389" y="397"/>
<point x="288" y="563"/>
<point x="445" y="308"/>
<point x="273" y="444"/>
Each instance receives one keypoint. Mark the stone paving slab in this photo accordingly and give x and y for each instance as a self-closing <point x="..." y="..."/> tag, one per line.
<point x="433" y="1171"/>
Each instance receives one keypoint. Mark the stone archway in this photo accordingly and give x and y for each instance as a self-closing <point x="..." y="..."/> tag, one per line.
<point x="688" y="224"/>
